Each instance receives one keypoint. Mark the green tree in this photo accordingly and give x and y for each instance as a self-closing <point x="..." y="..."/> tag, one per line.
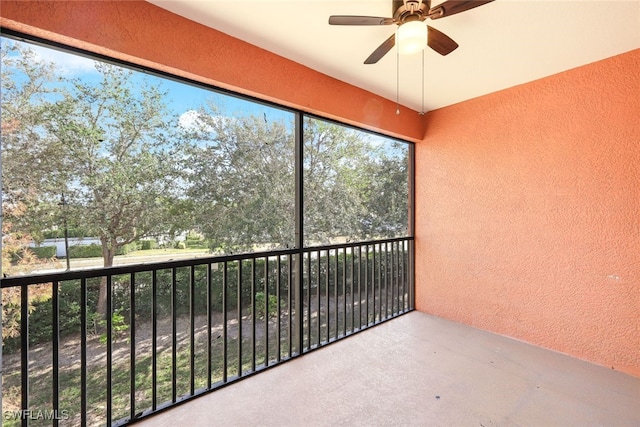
<point x="29" y="155"/>
<point x="116" y="136"/>
<point x="107" y="143"/>
<point x="386" y="196"/>
<point x="335" y="157"/>
<point x="241" y="179"/>
<point x="129" y="170"/>
<point x="356" y="185"/>
<point x="242" y="182"/>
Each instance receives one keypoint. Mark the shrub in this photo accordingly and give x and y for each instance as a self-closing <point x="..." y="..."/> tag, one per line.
<point x="195" y="240"/>
<point x="44" y="252"/>
<point x="41" y="312"/>
<point x="125" y="249"/>
<point x="196" y="244"/>
<point x="118" y="326"/>
<point x="94" y="251"/>
<point x="146" y="245"/>
<point x="260" y="303"/>
<point x="182" y="289"/>
<point x="85" y="251"/>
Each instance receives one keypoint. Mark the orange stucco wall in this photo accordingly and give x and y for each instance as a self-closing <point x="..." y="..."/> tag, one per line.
<point x="528" y="213"/>
<point x="141" y="33"/>
<point x="527" y="200"/>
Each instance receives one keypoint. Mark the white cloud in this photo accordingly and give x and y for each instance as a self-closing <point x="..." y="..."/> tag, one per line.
<point x="190" y="120"/>
<point x="67" y="64"/>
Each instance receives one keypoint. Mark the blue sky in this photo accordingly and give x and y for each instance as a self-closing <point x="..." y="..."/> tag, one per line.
<point x="182" y="98"/>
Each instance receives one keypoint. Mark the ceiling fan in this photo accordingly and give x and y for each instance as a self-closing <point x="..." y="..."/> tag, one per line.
<point x="409" y="15"/>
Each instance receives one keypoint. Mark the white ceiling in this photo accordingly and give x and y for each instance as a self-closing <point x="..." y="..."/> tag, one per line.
<point x="502" y="44"/>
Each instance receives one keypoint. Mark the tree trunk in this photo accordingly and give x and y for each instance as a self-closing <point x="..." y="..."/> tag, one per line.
<point x="108" y="253"/>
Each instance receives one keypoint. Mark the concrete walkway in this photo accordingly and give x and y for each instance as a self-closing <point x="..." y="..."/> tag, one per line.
<point x="420" y="370"/>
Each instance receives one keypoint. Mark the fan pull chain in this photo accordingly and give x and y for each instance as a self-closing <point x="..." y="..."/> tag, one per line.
<point x="422" y="110"/>
<point x="397" y="81"/>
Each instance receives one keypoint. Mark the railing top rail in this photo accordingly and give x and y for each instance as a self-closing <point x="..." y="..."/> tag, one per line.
<point x="356" y="243"/>
<point x="90" y="273"/>
<point x="8" y="282"/>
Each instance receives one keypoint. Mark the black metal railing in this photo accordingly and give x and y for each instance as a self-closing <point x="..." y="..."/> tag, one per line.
<point x="178" y="329"/>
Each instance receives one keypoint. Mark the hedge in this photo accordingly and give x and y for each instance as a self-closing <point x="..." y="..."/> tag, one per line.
<point x="148" y="244"/>
<point x="44" y="252"/>
<point x="85" y="251"/>
<point x="174" y="297"/>
<point x="123" y="250"/>
<point x="95" y="251"/>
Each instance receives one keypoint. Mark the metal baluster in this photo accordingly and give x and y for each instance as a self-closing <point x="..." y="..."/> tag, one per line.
<point x="209" y="325"/>
<point x="154" y="340"/>
<point x="266" y="311"/>
<point x="278" y="333"/>
<point x="394" y="281"/>
<point x="374" y="282"/>
<point x="387" y="279"/>
<point x="174" y="334"/>
<point x="318" y="308"/>
<point x="326" y="291"/>
<point x="224" y="322"/>
<point x="239" y="316"/>
<point x="55" y="338"/>
<point x="192" y="337"/>
<point x="344" y="291"/>
<point x="366" y="286"/>
<point x="335" y="292"/>
<point x="309" y="300"/>
<point x="132" y="345"/>
<point x="24" y="348"/>
<point x="109" y="351"/>
<point x="404" y="276"/>
<point x="253" y="314"/>
<point x="83" y="352"/>
<point x="380" y="316"/>
<point x="353" y="305"/>
<point x="289" y="297"/>
<point x="359" y="287"/>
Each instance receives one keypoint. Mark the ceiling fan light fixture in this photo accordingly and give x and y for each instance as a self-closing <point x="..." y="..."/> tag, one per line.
<point x="411" y="37"/>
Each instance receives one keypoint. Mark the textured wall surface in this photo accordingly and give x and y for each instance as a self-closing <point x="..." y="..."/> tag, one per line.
<point x="144" y="34"/>
<point x="528" y="213"/>
<point x="527" y="200"/>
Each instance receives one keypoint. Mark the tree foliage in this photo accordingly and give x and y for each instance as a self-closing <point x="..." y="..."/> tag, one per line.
<point x="95" y="154"/>
<point x="130" y="169"/>
<point x="242" y="180"/>
<point x="386" y="195"/>
<point x="335" y="158"/>
<point x="118" y="139"/>
<point x="28" y="153"/>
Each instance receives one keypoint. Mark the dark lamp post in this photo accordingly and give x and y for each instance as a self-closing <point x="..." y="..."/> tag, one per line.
<point x="63" y="203"/>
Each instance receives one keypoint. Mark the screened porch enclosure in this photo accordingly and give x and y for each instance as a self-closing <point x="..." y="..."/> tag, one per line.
<point x="302" y="227"/>
<point x="487" y="274"/>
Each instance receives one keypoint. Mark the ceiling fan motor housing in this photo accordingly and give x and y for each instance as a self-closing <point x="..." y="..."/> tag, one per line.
<point x="411" y="11"/>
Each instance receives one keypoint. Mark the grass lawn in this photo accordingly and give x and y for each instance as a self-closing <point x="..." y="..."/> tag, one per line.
<point x="70" y="388"/>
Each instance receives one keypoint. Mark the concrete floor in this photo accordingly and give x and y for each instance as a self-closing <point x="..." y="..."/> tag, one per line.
<point x="424" y="371"/>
